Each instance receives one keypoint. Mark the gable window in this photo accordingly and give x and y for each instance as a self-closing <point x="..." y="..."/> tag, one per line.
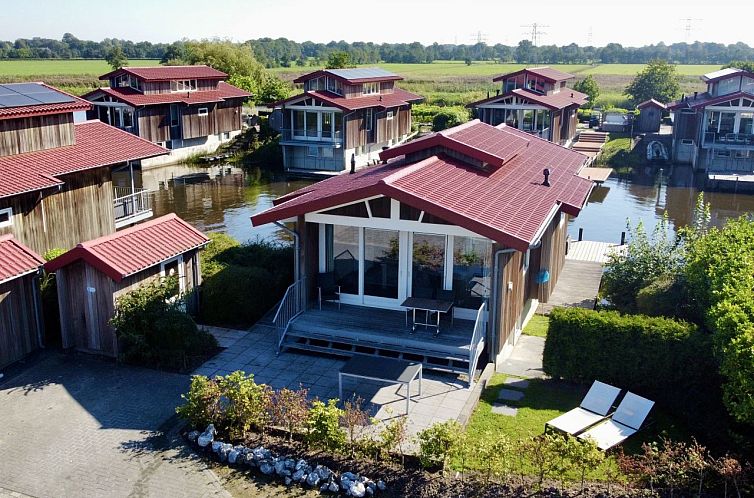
<point x="747" y="85"/>
<point x="334" y="85"/>
<point x="728" y="86"/>
<point x="174" y="270"/>
<point x="183" y="85"/>
<point x="370" y="88"/>
<point x="202" y="111"/>
<point x="6" y="217"/>
<point x="368" y="118"/>
<point x="389" y="115"/>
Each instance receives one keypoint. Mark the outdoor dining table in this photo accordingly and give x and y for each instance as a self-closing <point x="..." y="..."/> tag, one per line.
<point x="383" y="370"/>
<point x="429" y="306"/>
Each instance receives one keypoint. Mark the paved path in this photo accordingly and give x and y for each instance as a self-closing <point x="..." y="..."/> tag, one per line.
<point x="526" y="359"/>
<point x="73" y="426"/>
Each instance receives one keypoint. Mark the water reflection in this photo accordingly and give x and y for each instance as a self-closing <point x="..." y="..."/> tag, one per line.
<point x="645" y="196"/>
<point x="219" y="198"/>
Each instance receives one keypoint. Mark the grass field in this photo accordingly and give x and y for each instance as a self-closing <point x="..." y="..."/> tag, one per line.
<point x="73" y="67"/>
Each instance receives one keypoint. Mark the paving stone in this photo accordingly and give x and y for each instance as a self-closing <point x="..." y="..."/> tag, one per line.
<point x="510" y="395"/>
<point x="501" y="409"/>
<point x="517" y="383"/>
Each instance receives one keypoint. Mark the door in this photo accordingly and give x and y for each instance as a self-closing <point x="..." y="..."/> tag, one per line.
<point x="381" y="265"/>
<point x="427" y="264"/>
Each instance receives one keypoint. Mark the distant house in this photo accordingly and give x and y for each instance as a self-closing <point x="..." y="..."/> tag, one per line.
<point x="56" y="170"/>
<point x="94" y="274"/>
<point x="188" y="109"/>
<point x="650" y="116"/>
<point x="534" y="100"/>
<point x="713" y="131"/>
<point x="343" y="116"/>
<point x="475" y="216"/>
<point x="21" y="325"/>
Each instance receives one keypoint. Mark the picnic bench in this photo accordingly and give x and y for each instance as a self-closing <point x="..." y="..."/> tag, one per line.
<point x="382" y="369"/>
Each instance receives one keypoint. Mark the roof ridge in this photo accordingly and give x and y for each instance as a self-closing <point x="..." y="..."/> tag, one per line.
<point x="131" y="135"/>
<point x="127" y="231"/>
<point x="23" y="247"/>
<point x="448" y="132"/>
<point x="404" y="171"/>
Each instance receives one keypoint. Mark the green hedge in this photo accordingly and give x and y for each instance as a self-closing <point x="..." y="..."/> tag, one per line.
<point x="666" y="360"/>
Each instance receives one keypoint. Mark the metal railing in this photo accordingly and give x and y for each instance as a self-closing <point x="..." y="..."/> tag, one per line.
<point x="729" y="139"/>
<point x="291" y="306"/>
<point x="127" y="205"/>
<point x="304" y="136"/>
<point x="477" y="341"/>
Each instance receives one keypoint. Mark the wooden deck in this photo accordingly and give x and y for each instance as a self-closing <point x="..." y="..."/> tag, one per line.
<point x="362" y="330"/>
<point x="595" y="252"/>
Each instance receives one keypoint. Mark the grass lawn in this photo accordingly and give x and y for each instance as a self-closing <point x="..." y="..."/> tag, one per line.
<point x="537" y="326"/>
<point x="59" y="67"/>
<point x="546" y="399"/>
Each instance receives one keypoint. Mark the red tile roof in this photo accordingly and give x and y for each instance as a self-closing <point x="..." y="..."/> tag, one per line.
<point x="383" y="101"/>
<point x="44" y="109"/>
<point x="167" y="73"/>
<point x="548" y="73"/>
<point x="136" y="98"/>
<point x="16" y="259"/>
<point x="97" y="145"/>
<point x="134" y="249"/>
<point x="564" y="98"/>
<point x="651" y="102"/>
<point x="508" y="204"/>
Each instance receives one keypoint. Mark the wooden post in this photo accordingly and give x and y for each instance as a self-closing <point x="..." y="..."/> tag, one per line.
<point x="581" y="234"/>
<point x="623" y="238"/>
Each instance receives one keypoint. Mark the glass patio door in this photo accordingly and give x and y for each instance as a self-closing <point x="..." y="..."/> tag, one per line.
<point x="381" y="263"/>
<point x="427" y="265"/>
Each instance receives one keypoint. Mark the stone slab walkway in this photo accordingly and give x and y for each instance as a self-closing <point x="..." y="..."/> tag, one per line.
<point x="526" y="359"/>
<point x="74" y="426"/>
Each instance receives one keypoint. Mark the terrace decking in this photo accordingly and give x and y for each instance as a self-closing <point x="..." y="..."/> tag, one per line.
<point x="375" y="331"/>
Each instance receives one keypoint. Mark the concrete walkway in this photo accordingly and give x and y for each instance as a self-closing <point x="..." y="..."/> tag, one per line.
<point x="526" y="359"/>
<point x="443" y="396"/>
<point x="74" y="426"/>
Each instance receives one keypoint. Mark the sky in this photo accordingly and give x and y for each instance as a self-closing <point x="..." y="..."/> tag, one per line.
<point x="595" y="22"/>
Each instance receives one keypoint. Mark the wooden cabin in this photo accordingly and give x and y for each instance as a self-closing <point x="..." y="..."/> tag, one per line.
<point x="535" y="100"/>
<point x="714" y="130"/>
<point x="93" y="275"/>
<point x="475" y="216"/>
<point x="188" y="109"/>
<point x="21" y="326"/>
<point x="650" y="116"/>
<point x="343" y="117"/>
<point x="56" y="170"/>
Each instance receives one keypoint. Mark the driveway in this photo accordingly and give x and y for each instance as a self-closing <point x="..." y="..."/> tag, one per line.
<point x="74" y="426"/>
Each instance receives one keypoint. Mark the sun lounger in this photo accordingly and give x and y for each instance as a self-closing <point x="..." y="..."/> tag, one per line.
<point x="627" y="420"/>
<point x="594" y="407"/>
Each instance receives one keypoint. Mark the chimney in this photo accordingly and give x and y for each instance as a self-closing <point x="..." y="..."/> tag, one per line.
<point x="695" y="94"/>
<point x="683" y="97"/>
<point x="497" y="92"/>
<point x="546" y="182"/>
<point x="488" y="94"/>
<point x="571" y="94"/>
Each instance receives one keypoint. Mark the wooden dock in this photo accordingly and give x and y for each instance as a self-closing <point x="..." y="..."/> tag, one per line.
<point x="592" y="251"/>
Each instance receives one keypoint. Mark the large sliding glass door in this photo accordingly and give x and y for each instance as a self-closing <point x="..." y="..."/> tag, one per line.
<point x="381" y="262"/>
<point x="427" y="265"/>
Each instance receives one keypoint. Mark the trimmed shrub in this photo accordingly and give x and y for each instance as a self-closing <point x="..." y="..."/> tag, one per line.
<point x="323" y="424"/>
<point x="448" y="118"/>
<point x="667" y="360"/>
<point x="663" y="297"/>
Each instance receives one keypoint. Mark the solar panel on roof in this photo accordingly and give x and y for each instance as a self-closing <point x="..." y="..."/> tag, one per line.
<point x="25" y="94"/>
<point x="361" y="72"/>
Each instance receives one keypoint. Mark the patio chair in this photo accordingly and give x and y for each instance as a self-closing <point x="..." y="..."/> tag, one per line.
<point x="626" y="421"/>
<point x="327" y="289"/>
<point x="447" y="295"/>
<point x="593" y="408"/>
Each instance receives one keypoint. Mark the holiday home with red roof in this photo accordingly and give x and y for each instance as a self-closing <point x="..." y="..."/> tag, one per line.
<point x="534" y="100"/>
<point x="188" y="109"/>
<point x="439" y="254"/>
<point x="344" y="117"/>
<point x="56" y="170"/>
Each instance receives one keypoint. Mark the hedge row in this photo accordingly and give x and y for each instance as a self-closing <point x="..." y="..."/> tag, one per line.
<point x="668" y="360"/>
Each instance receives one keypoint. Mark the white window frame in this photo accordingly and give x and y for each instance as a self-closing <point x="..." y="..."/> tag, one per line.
<point x="372" y="88"/>
<point x="9" y="212"/>
<point x="181" y="272"/>
<point x="183" y="85"/>
<point x="202" y="111"/>
<point x="389" y="115"/>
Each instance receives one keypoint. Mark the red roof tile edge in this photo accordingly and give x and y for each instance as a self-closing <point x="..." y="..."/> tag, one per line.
<point x="82" y="251"/>
<point x="28" y="253"/>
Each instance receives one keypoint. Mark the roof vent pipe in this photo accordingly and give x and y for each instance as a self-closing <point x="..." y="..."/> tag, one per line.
<point x="497" y="92"/>
<point x="546" y="182"/>
<point x="695" y="94"/>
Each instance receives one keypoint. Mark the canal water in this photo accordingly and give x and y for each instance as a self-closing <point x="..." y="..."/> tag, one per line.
<point x="223" y="198"/>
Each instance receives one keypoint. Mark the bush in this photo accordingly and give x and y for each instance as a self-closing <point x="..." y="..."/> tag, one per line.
<point x="665" y="296"/>
<point x="448" y="118"/>
<point x="290" y="409"/>
<point x="202" y="405"/>
<point x="437" y="443"/>
<point x="667" y="360"/>
<point x="153" y="331"/>
<point x="323" y="425"/>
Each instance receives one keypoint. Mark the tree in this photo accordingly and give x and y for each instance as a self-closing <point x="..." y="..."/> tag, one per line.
<point x="116" y="58"/>
<point x="176" y="52"/>
<point x="745" y="65"/>
<point x="588" y="86"/>
<point x="657" y="81"/>
<point x="525" y="52"/>
<point x="338" y="60"/>
<point x="225" y="56"/>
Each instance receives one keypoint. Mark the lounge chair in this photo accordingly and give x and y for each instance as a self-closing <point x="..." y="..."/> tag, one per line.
<point x="626" y="421"/>
<point x="594" y="407"/>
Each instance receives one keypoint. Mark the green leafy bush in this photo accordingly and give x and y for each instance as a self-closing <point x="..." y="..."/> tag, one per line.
<point x="667" y="360"/>
<point x="448" y="118"/>
<point x="666" y="296"/>
<point x="246" y="404"/>
<point x="152" y="329"/>
<point x="202" y="402"/>
<point x="323" y="425"/>
<point x="437" y="443"/>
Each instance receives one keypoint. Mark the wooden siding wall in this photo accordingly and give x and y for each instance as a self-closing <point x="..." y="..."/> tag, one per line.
<point x="395" y="128"/>
<point x="510" y="302"/>
<point x="36" y="133"/>
<point x="551" y="255"/>
<point x="352" y="91"/>
<point x="82" y="210"/>
<point x="387" y="86"/>
<point x="649" y="119"/>
<point x="555" y="128"/>
<point x="19" y="327"/>
<point x="356" y="133"/>
<point x="221" y="117"/>
<point x="154" y="123"/>
<point x="85" y="316"/>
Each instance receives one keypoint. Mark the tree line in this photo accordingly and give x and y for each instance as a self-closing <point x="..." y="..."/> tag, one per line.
<point x="284" y="52"/>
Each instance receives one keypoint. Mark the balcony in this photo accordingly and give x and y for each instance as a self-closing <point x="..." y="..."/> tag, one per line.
<point x="131" y="206"/>
<point x="298" y="136"/>
<point x="731" y="141"/>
